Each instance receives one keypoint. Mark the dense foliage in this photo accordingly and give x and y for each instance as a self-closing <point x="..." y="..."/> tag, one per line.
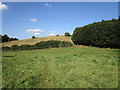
<point x="6" y="38"/>
<point x="39" y="45"/>
<point x="99" y="34"/>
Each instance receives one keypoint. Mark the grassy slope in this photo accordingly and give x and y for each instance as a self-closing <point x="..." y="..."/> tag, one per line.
<point x="71" y="67"/>
<point x="33" y="41"/>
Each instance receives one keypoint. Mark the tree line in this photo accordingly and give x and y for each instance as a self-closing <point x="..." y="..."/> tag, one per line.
<point x="100" y="34"/>
<point x="6" y="38"/>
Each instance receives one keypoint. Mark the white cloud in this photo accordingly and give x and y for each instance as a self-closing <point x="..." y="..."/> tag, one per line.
<point x="35" y="31"/>
<point x="48" y="5"/>
<point x="37" y="34"/>
<point x="33" y="19"/>
<point x="3" y="6"/>
<point x="52" y="33"/>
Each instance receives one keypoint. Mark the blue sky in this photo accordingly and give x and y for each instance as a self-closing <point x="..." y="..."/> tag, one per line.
<point x="26" y="19"/>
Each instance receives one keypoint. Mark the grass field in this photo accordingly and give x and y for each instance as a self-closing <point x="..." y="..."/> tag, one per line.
<point x="71" y="67"/>
<point x="34" y="41"/>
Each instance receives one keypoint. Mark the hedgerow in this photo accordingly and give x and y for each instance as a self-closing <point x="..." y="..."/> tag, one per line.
<point x="39" y="45"/>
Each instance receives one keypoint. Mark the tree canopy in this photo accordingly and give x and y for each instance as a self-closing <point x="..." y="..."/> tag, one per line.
<point x="100" y="34"/>
<point x="6" y="38"/>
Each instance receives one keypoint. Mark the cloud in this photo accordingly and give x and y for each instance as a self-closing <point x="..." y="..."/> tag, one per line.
<point x="3" y="6"/>
<point x="37" y="34"/>
<point x="52" y="33"/>
<point x="33" y="19"/>
<point x="35" y="31"/>
<point x="48" y="5"/>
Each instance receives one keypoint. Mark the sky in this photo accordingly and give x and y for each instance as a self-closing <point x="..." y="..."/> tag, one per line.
<point x="26" y="19"/>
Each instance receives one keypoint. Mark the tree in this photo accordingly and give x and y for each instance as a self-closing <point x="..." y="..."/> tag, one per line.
<point x="33" y="37"/>
<point x="100" y="34"/>
<point x="5" y="38"/>
<point x="57" y="35"/>
<point x="11" y="39"/>
<point x="67" y="34"/>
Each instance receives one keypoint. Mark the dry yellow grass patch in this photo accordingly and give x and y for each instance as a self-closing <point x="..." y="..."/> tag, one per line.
<point x="34" y="41"/>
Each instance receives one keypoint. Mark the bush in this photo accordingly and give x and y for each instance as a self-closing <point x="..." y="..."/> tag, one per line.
<point x="100" y="34"/>
<point x="47" y="44"/>
<point x="53" y="43"/>
<point x="26" y="47"/>
<point x="65" y="44"/>
<point x="41" y="45"/>
<point x="6" y="48"/>
<point x="15" y="47"/>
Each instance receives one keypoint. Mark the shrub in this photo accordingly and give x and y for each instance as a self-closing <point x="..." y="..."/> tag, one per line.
<point x="26" y="47"/>
<point x="65" y="44"/>
<point x="47" y="44"/>
<point x="53" y="43"/>
<point x="41" y="45"/>
<point x="5" y="48"/>
<point x="15" y="47"/>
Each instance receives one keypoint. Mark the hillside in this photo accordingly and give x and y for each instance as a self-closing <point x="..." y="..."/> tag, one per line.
<point x="33" y="41"/>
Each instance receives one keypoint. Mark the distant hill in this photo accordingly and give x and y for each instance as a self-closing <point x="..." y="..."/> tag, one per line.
<point x="33" y="41"/>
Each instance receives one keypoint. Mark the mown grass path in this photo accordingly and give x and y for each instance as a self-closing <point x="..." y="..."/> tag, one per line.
<point x="71" y="67"/>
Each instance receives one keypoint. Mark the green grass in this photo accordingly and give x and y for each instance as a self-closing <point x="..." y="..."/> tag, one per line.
<point x="71" y="67"/>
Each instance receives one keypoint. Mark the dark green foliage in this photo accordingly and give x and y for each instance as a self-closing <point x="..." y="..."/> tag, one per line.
<point x="52" y="43"/>
<point x="5" y="38"/>
<point x="11" y="39"/>
<point x="5" y="48"/>
<point x="26" y="47"/>
<point x="33" y="37"/>
<point x="40" y="45"/>
<point x="67" y="34"/>
<point x="65" y="44"/>
<point x="57" y="35"/>
<point x="101" y="34"/>
<point x="15" y="47"/>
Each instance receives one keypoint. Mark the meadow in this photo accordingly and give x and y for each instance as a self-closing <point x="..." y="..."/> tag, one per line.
<point x="69" y="67"/>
